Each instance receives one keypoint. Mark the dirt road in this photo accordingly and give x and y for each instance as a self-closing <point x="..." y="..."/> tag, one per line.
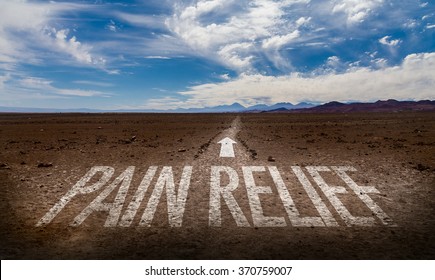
<point x="217" y="186"/>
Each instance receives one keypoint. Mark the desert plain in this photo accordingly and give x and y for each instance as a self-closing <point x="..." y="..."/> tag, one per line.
<point x="287" y="169"/>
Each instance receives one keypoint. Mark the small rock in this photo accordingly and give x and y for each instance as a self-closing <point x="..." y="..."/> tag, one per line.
<point x="182" y="150"/>
<point x="133" y="138"/>
<point x="270" y="158"/>
<point x="124" y="142"/>
<point x="100" y="127"/>
<point x="4" y="166"/>
<point x="44" y="164"/>
<point x="421" y="167"/>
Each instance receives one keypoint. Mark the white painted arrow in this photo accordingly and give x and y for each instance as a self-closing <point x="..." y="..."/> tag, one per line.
<point x="227" y="149"/>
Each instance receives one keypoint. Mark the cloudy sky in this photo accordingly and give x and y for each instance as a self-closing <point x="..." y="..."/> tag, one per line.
<point x="161" y="54"/>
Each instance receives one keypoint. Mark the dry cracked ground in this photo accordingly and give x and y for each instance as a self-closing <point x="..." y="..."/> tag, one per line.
<point x="154" y="186"/>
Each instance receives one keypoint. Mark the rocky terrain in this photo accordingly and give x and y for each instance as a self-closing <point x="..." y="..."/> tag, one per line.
<point x="43" y="156"/>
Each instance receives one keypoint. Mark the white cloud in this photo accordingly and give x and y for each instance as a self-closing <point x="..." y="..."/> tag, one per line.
<point x="112" y="26"/>
<point x="388" y="42"/>
<point x="430" y="26"/>
<point x="94" y="83"/>
<point x="79" y="92"/>
<point x="379" y="62"/>
<point x="165" y="103"/>
<point x="160" y="89"/>
<point x="156" y="57"/>
<point x="302" y="21"/>
<point x="209" y="27"/>
<point x="35" y="83"/>
<point x="149" y="21"/>
<point x="225" y="77"/>
<point x="82" y="53"/>
<point x="356" y="11"/>
<point x="202" y="7"/>
<point x="24" y="15"/>
<point x="277" y="42"/>
<point x="234" y="54"/>
<point x="25" y="26"/>
<point x="233" y="32"/>
<point x="411" y="23"/>
<point x="112" y="71"/>
<point x="19" y="16"/>
<point x="45" y="87"/>
<point x="414" y="78"/>
<point x="333" y="61"/>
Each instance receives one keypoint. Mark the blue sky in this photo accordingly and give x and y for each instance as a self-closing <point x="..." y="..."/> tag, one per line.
<point x="184" y="54"/>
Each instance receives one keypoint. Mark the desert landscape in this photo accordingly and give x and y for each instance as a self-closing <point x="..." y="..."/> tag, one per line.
<point x="286" y="169"/>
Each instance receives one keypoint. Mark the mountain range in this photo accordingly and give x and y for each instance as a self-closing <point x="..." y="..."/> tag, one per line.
<point x="390" y="105"/>
<point x="233" y="108"/>
<point x="384" y="106"/>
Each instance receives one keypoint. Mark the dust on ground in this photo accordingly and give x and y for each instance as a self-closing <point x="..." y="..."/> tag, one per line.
<point x="43" y="155"/>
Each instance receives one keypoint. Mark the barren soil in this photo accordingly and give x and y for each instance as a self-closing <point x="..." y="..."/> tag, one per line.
<point x="42" y="156"/>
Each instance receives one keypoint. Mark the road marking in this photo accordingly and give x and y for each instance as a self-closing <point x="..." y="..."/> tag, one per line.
<point x="227" y="149"/>
<point x="114" y="208"/>
<point x="176" y="203"/>
<point x="254" y="199"/>
<point x="129" y="214"/>
<point x="361" y="192"/>
<point x="331" y="191"/>
<point x="289" y="205"/>
<point x="79" y="188"/>
<point x="216" y="192"/>
<point x="224" y="181"/>
<point x="315" y="198"/>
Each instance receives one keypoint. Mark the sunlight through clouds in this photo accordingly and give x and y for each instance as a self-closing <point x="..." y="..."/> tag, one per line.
<point x="416" y="75"/>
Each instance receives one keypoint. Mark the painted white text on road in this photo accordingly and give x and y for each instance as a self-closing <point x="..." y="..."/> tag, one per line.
<point x="224" y="181"/>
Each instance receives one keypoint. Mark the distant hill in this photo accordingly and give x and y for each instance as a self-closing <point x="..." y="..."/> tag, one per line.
<point x="390" y="105"/>
<point x="282" y="105"/>
<point x="233" y="108"/>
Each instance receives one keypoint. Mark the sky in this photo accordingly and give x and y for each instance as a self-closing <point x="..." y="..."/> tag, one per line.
<point x="161" y="54"/>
